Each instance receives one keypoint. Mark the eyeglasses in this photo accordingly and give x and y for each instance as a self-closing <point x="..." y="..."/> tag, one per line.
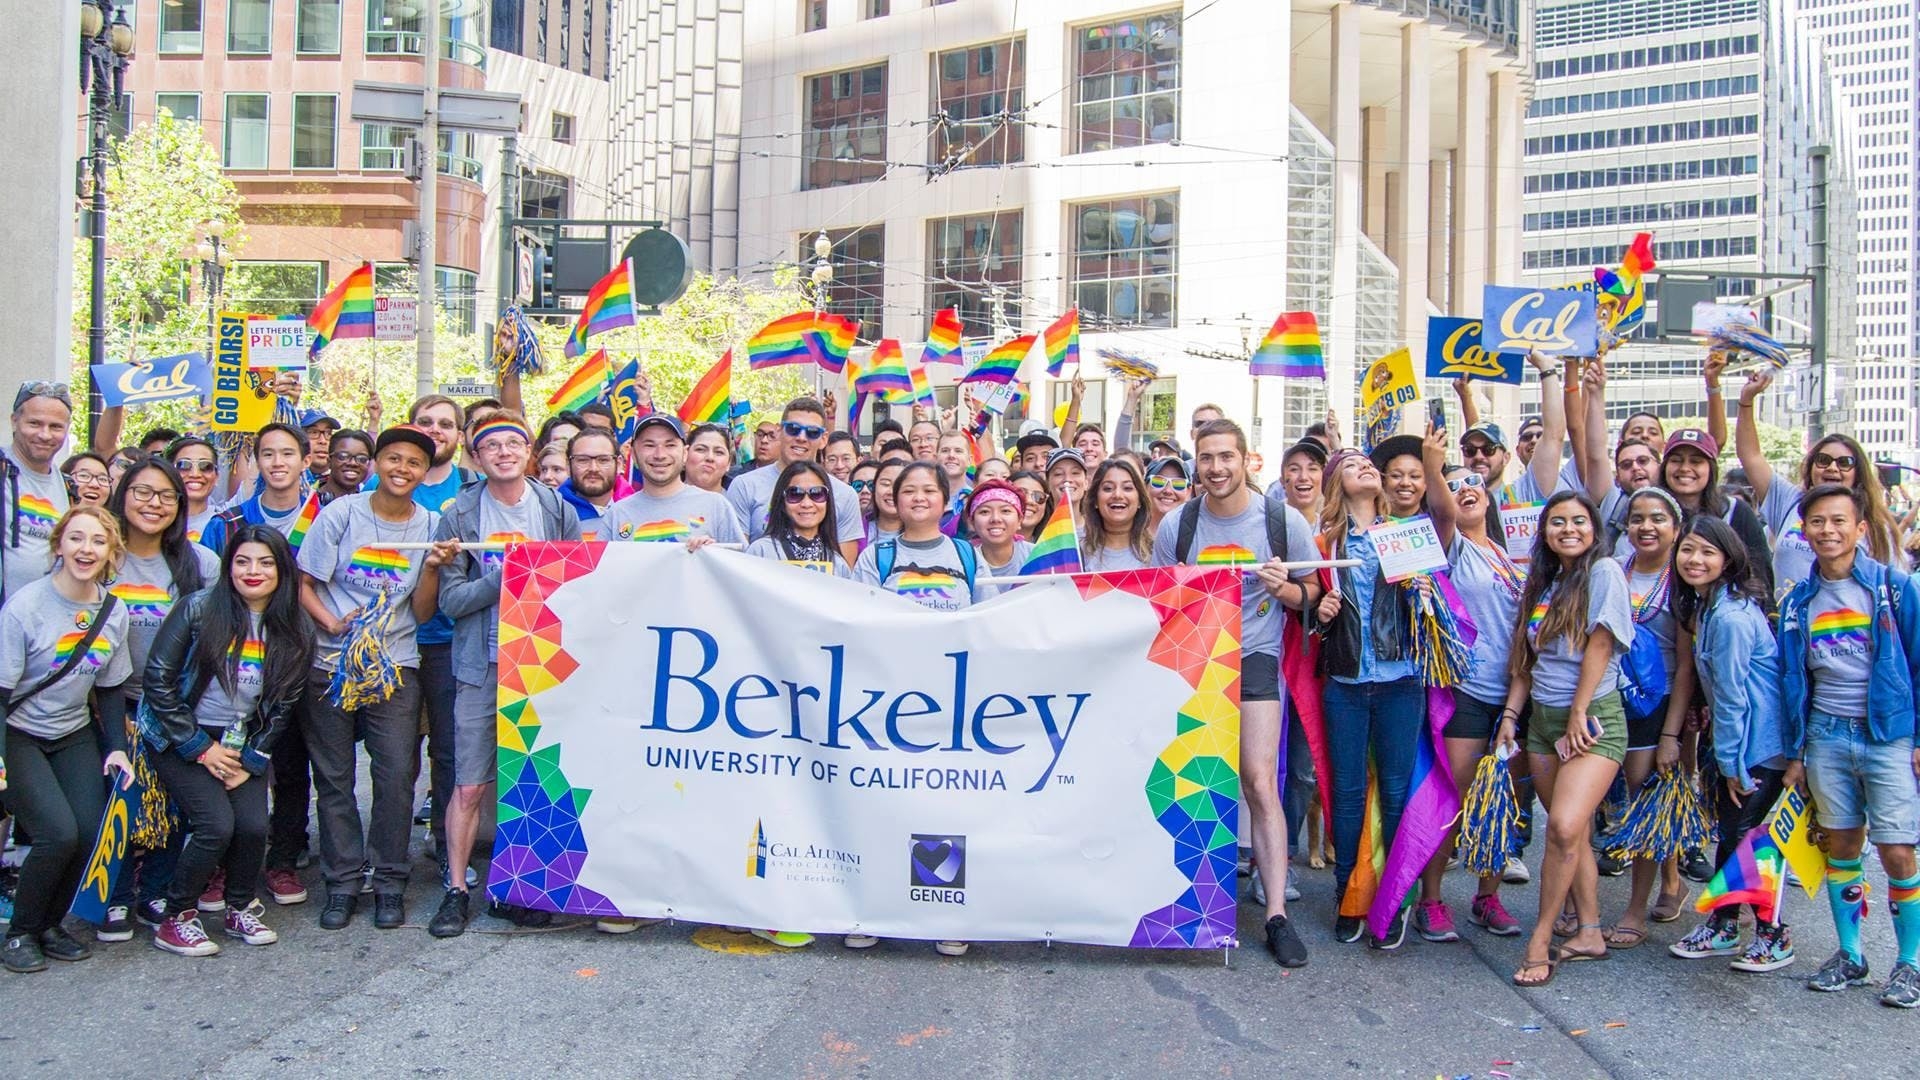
<point x="1168" y="483"/>
<point x="145" y="494"/>
<point x="351" y="459"/>
<point x="1472" y="479"/>
<point x="79" y="477"/>
<point x="1834" y="461"/>
<point x="499" y="443"/>
<point x="860" y="485"/>
<point x="797" y="495"/>
<point x="599" y="461"/>
<point x="797" y="430"/>
<point x="30" y="390"/>
<point x="197" y="466"/>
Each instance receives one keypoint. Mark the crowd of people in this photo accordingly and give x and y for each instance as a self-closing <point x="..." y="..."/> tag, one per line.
<point x="198" y="618"/>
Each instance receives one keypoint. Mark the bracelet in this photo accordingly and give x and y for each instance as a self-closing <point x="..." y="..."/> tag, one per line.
<point x="1670" y="735"/>
<point x="1713" y="391"/>
<point x="1553" y="372"/>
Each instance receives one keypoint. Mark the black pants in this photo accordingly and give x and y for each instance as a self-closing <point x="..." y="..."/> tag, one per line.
<point x="1737" y="821"/>
<point x="229" y="831"/>
<point x="291" y="777"/>
<point x="436" y="696"/>
<point x="391" y="732"/>
<point x="55" y="788"/>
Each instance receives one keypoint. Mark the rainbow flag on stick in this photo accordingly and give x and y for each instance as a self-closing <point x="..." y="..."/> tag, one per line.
<point x="831" y="340"/>
<point x="1292" y="349"/>
<point x="584" y="386"/>
<point x="1062" y="342"/>
<point x="780" y="342"/>
<point x="1002" y="365"/>
<point x="1057" y="551"/>
<point x="886" y="371"/>
<point x="609" y="305"/>
<point x="345" y="312"/>
<point x="943" y="339"/>
<point x="707" y="402"/>
<point x="303" y="521"/>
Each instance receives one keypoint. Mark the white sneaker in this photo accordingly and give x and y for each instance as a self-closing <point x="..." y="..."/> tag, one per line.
<point x="616" y="926"/>
<point x="859" y="941"/>
<point x="1516" y="872"/>
<point x="950" y="948"/>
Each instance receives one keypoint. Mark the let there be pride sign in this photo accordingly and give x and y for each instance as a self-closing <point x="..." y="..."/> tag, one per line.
<point x="1407" y="548"/>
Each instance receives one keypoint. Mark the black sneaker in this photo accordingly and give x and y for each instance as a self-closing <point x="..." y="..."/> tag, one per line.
<point x="1903" y="988"/>
<point x="1839" y="972"/>
<point x="520" y="916"/>
<point x="424" y="815"/>
<point x="339" y="911"/>
<point x="1609" y="866"/>
<point x="389" y="911"/>
<point x="1285" y="944"/>
<point x="150" y="913"/>
<point x="1695" y="866"/>
<point x="451" y="919"/>
<point x="22" y="955"/>
<point x="1347" y="928"/>
<point x="1395" y="936"/>
<point x="60" y="945"/>
<point x="117" y="926"/>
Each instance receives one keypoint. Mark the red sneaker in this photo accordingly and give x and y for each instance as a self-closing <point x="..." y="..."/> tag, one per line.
<point x="184" y="935"/>
<point x="285" y="888"/>
<point x="214" y="896"/>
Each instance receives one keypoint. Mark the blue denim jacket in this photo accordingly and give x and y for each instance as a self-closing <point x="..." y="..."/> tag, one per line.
<point x="1896" y="655"/>
<point x="1739" y="664"/>
<point x="1359" y="583"/>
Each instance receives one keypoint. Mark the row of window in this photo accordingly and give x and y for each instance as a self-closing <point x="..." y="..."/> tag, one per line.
<point x="393" y="27"/>
<point x="1635" y="97"/>
<point x="1122" y="268"/>
<point x="247" y="124"/>
<point x="294" y="288"/>
<point x="813" y="13"/>
<point x="1572" y="142"/>
<point x="1594" y="217"/>
<point x="1658" y="173"/>
<point x="1720" y="247"/>
<point x="1594" y="20"/>
<point x="1691" y="52"/>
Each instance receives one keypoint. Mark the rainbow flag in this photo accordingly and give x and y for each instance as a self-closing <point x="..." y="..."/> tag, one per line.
<point x="1756" y="874"/>
<point x="584" y="386"/>
<point x="1057" y="551"/>
<point x="885" y="372"/>
<point x="1002" y="365"/>
<point x="345" y="312"/>
<point x="921" y="394"/>
<point x="707" y="402"/>
<point x="1628" y="283"/>
<point x="785" y="340"/>
<point x="1292" y="350"/>
<point x="303" y="521"/>
<point x="1062" y="342"/>
<point x="609" y="305"/>
<point x="943" y="339"/>
<point x="831" y="340"/>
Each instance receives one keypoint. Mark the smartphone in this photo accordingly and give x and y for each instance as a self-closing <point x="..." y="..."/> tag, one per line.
<point x="1437" y="412"/>
<point x="1594" y="730"/>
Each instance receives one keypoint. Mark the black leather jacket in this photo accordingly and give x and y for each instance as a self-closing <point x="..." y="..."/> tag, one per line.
<point x="169" y="695"/>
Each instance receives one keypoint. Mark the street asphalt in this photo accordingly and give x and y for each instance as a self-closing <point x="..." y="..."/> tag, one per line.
<point x="682" y="1000"/>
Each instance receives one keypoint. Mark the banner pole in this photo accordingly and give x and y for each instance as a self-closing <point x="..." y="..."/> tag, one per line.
<point x="500" y="545"/>
<point x="1034" y="579"/>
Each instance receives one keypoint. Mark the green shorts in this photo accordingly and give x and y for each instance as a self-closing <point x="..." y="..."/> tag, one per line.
<point x="1550" y="723"/>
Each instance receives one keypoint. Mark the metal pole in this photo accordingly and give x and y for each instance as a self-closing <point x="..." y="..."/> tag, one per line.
<point x="1817" y="424"/>
<point x="429" y="198"/>
<point x="98" y="105"/>
<point x="509" y="207"/>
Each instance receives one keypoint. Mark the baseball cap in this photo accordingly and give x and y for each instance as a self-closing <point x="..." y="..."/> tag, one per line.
<point x="1313" y="448"/>
<point x="404" y="433"/>
<point x="1035" y="438"/>
<point x="1176" y="462"/>
<point x="1489" y="431"/>
<point x="1695" y="438"/>
<point x="1172" y="447"/>
<point x="1531" y="422"/>
<point x="663" y="419"/>
<point x="1068" y="454"/>
<point x="315" y="416"/>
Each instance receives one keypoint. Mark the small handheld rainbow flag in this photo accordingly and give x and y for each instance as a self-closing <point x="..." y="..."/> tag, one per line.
<point x="886" y="371"/>
<point x="1291" y="350"/>
<point x="707" y="402"/>
<point x="943" y="339"/>
<point x="303" y="521"/>
<point x="1057" y="550"/>
<point x="609" y="305"/>
<point x="831" y="340"/>
<point x="345" y="312"/>
<point x="1002" y="365"/>
<point x="1756" y="874"/>
<point x="921" y="394"/>
<point x="1062" y="342"/>
<point x="584" y="386"/>
<point x="782" y="341"/>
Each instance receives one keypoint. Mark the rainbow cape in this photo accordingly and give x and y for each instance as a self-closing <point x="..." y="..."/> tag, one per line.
<point x="1057" y="550"/>
<point x="345" y="312"/>
<point x="1002" y="365"/>
<point x="707" y="402"/>
<point x="1062" y="342"/>
<point x="609" y="305"/>
<point x="885" y="371"/>
<point x="943" y="338"/>
<point x="1291" y="349"/>
<point x="584" y="386"/>
<point x="782" y="341"/>
<point x="830" y="340"/>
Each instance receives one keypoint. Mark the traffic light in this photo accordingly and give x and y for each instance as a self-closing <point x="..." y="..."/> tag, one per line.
<point x="545" y="293"/>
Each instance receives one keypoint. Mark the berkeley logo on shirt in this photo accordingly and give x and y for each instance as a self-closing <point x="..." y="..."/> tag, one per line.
<point x="662" y="531"/>
<point x="377" y="568"/>
<point x="97" y="652"/>
<point x="247" y="673"/>
<point x="491" y="559"/>
<point x="1840" y="632"/>
<point x="923" y="584"/>
<point x="37" y="516"/>
<point x="146" y="604"/>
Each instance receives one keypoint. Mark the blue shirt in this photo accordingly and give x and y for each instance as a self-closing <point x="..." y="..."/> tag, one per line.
<point x="1360" y="584"/>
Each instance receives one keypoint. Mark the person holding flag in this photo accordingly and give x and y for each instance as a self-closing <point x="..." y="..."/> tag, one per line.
<point x="802" y="432"/>
<point x="666" y="507"/>
<point x="1229" y="526"/>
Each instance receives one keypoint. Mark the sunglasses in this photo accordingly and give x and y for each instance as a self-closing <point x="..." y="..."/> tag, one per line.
<point x="196" y="466"/>
<point x="1472" y="479"/>
<point x="797" y="430"/>
<point x="1834" y="461"/>
<point x="1167" y="483"/>
<point x="1476" y="450"/>
<point x="30" y="390"/>
<point x="798" y="495"/>
<point x="861" y="485"/>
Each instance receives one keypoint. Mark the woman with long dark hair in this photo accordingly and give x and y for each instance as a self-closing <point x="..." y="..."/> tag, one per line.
<point x="1116" y="519"/>
<point x="1690" y="471"/>
<point x="1039" y="501"/>
<point x="885" y="524"/>
<point x="1576" y="621"/>
<point x="800" y="522"/>
<point x="708" y="454"/>
<point x="222" y="678"/>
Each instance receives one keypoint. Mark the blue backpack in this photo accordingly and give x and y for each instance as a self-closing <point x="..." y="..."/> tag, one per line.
<point x="1644" y="682"/>
<point x="886" y="551"/>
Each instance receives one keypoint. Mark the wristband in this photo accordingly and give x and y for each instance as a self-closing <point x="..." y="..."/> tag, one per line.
<point x="1669" y="735"/>
<point x="1713" y="391"/>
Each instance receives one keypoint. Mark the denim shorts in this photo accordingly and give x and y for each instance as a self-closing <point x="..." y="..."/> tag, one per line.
<point x="1856" y="782"/>
<point x="475" y="731"/>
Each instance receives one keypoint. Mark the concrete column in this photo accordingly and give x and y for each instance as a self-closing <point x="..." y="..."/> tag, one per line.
<point x="1469" y="251"/>
<point x="1504" y="209"/>
<point x="1439" y="241"/>
<point x="1410" y="208"/>
<point x="1343" y="313"/>
<point x="41" y="115"/>
<point x="1376" y="152"/>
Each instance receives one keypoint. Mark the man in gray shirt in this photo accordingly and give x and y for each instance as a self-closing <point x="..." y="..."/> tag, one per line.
<point x="803" y="431"/>
<point x="667" y="507"/>
<point x="35" y="495"/>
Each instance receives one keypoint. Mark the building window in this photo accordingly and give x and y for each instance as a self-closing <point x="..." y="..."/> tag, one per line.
<point x="245" y="144"/>
<point x="562" y="128"/>
<point x="846" y="127"/>
<point x="544" y="195"/>
<point x="816" y="15"/>
<point x="382" y="147"/>
<point x="876" y="8"/>
<point x="315" y="118"/>
<point x="1127" y="79"/>
<point x="318" y="29"/>
<point x="457" y="294"/>
<point x="859" y="275"/>
<point x="249" y="27"/>
<point x="284" y="288"/>
<point x="395" y="27"/>
<point x="971" y="89"/>
<point x="180" y="27"/>
<point x="460" y="155"/>
<point x="973" y="263"/>
<point x="185" y="108"/>
<point x="1124" y="260"/>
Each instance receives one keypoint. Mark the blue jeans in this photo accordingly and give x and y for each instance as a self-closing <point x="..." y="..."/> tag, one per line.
<point x="1386" y="719"/>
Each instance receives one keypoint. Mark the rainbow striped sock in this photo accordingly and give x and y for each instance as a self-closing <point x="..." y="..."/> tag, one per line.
<point x="1903" y="900"/>
<point x="1847" y="895"/>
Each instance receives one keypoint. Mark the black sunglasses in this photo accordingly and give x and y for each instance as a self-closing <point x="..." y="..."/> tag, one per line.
<point x="1834" y="461"/>
<point x="797" y="495"/>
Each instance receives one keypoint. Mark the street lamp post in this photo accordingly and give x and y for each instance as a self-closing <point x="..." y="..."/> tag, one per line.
<point x="106" y="46"/>
<point x="213" y="256"/>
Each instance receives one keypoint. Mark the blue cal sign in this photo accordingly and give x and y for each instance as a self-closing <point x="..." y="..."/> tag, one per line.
<point x="1548" y="321"/>
<point x="1454" y="352"/>
<point x="161" y="379"/>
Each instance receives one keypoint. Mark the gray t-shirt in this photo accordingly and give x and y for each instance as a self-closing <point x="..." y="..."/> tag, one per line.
<point x="1793" y="557"/>
<point x="1120" y="558"/>
<point x="503" y="524"/>
<point x="1556" y="669"/>
<point x="146" y="589"/>
<point x="220" y="709"/>
<point x="689" y="512"/>
<point x="43" y="501"/>
<point x="751" y="495"/>
<point x="1652" y="598"/>
<point x="197" y="523"/>
<point x="345" y="554"/>
<point x="832" y="564"/>
<point x="1489" y="585"/>
<point x="983" y="579"/>
<point x="927" y="572"/>
<point x="1840" y="646"/>
<point x="39" y="630"/>
<point x="1242" y="539"/>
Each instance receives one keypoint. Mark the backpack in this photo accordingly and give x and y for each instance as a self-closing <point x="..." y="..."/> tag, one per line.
<point x="1644" y="683"/>
<point x="886" y="551"/>
<point x="1190" y="525"/>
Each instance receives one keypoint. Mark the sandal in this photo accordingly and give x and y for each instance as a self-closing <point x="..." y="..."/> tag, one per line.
<point x="1668" y="908"/>
<point x="1565" y="955"/>
<point x="1529" y="965"/>
<point x="1567" y="925"/>
<point x="1635" y="937"/>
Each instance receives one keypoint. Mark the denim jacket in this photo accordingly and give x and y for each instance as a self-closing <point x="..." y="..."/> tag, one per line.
<point x="1739" y="664"/>
<point x="468" y="593"/>
<point x="1895" y="659"/>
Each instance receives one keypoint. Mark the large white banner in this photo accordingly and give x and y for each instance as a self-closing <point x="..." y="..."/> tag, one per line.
<point x="723" y="739"/>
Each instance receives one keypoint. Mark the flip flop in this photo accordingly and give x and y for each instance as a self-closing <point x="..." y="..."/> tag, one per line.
<point x="1529" y="965"/>
<point x="1637" y="938"/>
<point x="1565" y="955"/>
<point x="1566" y="925"/>
<point x="1662" y="913"/>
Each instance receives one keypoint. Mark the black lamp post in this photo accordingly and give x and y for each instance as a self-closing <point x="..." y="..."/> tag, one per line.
<point x="214" y="258"/>
<point x="106" y="47"/>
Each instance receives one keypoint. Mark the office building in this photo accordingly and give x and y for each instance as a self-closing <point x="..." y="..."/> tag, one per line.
<point x="568" y="34"/>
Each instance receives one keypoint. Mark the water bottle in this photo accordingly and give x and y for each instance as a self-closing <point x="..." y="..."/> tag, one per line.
<point x="234" y="738"/>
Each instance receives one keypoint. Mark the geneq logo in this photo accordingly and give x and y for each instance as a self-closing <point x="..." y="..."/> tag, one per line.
<point x="939" y="868"/>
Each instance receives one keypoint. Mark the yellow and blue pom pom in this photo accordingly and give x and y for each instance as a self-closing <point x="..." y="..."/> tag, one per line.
<point x="1489" y="819"/>
<point x="516" y="348"/>
<point x="1439" y="654"/>
<point x="366" y="674"/>
<point x="1664" y="818"/>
